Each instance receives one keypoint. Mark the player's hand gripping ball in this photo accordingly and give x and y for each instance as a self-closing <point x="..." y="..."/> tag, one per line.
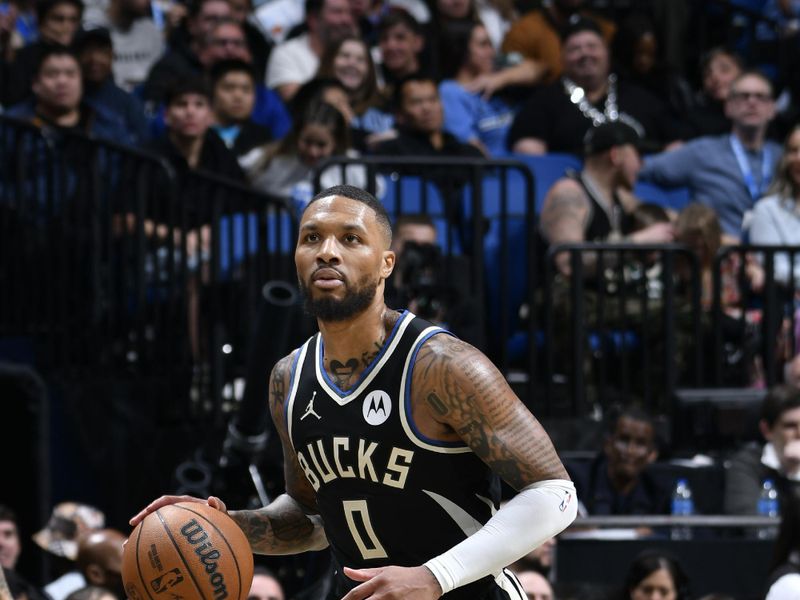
<point x="187" y="550"/>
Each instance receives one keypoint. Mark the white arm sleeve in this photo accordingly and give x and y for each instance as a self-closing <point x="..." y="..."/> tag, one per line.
<point x="536" y="514"/>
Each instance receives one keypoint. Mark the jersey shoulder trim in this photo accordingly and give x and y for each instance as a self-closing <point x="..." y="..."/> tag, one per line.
<point x="406" y="418"/>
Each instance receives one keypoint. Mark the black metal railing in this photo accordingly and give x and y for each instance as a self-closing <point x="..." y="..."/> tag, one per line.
<point x="114" y="263"/>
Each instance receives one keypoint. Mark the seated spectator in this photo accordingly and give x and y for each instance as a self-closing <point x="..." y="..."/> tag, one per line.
<point x="783" y="582"/>
<point x="100" y="560"/>
<point x="10" y="549"/>
<point x="728" y="172"/>
<point x="536" y="35"/>
<point x="226" y="40"/>
<point x="778" y="459"/>
<point x="58" y="103"/>
<point x="775" y="220"/>
<point x="349" y="62"/>
<point x="258" y="43"/>
<point x="588" y="206"/>
<point x="181" y="61"/>
<point x="617" y="482"/>
<point x="697" y="227"/>
<point x="95" y="53"/>
<point x="232" y="99"/>
<point x="137" y="42"/>
<point x="9" y="538"/>
<point x="535" y="585"/>
<point x="474" y="111"/>
<point x="190" y="143"/>
<point x="68" y="522"/>
<point x="58" y="23"/>
<point x="557" y="117"/>
<point x="265" y="586"/>
<point x="719" y="68"/>
<point x="653" y="574"/>
<point x="296" y="60"/>
<point x="285" y="168"/>
<point x="420" y="123"/>
<point x="92" y="592"/>
<point x="638" y="59"/>
<point x="401" y="42"/>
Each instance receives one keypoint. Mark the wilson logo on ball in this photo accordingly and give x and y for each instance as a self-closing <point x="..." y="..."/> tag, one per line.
<point x="209" y="556"/>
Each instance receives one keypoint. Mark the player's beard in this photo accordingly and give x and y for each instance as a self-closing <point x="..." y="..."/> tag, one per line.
<point x="327" y="308"/>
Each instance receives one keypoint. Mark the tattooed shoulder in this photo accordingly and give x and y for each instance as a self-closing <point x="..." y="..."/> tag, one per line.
<point x="279" y="380"/>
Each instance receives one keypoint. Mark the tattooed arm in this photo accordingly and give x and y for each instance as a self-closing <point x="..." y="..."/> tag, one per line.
<point x="289" y="524"/>
<point x="457" y="394"/>
<point x="460" y="394"/>
<point x="564" y="216"/>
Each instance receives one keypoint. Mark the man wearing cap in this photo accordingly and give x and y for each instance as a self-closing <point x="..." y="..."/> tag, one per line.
<point x="592" y="206"/>
<point x="68" y="522"/>
<point x="727" y="172"/>
<point x="557" y="117"/>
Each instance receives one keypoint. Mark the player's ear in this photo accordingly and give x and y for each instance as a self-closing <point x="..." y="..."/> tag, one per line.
<point x="388" y="263"/>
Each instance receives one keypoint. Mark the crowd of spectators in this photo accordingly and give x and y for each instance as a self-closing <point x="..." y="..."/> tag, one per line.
<point x="263" y="93"/>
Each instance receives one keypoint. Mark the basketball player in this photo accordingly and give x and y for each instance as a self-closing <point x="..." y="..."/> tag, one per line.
<point x="394" y="433"/>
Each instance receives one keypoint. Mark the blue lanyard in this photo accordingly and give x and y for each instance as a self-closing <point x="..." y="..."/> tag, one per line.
<point x="756" y="191"/>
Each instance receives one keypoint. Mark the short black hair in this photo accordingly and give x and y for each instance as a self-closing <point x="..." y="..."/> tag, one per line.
<point x="400" y="86"/>
<point x="398" y="16"/>
<point x="230" y="65"/>
<point x="43" y="7"/>
<point x="634" y="413"/>
<point x="311" y="92"/>
<point x="414" y="219"/>
<point x="778" y="400"/>
<point x="6" y="514"/>
<point x="359" y="195"/>
<point x="579" y="24"/>
<point x="189" y="85"/>
<point x="50" y="50"/>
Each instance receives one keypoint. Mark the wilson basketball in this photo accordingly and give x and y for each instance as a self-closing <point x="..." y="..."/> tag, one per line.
<point x="187" y="550"/>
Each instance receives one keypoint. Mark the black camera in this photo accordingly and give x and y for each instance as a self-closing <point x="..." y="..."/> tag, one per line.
<point x="422" y="285"/>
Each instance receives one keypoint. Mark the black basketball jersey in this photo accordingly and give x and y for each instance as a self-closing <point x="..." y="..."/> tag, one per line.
<point x="387" y="494"/>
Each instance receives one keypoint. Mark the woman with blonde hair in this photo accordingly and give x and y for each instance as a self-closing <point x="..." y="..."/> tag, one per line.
<point x="775" y="220"/>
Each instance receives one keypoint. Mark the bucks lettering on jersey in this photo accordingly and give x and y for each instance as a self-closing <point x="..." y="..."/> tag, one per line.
<point x="387" y="494"/>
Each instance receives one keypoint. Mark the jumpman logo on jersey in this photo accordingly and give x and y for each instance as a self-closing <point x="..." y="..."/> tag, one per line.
<point x="310" y="408"/>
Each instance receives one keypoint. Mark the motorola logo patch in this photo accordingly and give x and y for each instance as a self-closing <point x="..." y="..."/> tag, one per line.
<point x="377" y="407"/>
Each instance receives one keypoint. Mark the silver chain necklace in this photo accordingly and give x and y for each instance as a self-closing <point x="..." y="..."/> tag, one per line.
<point x="577" y="96"/>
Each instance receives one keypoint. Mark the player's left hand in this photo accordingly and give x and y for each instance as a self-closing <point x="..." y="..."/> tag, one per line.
<point x="393" y="583"/>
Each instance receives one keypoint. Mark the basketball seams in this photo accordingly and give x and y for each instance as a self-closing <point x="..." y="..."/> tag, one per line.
<point x="227" y="543"/>
<point x="138" y="566"/>
<point x="180" y="553"/>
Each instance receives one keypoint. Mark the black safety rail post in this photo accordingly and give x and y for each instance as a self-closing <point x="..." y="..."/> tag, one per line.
<point x="670" y="346"/>
<point x="716" y="316"/>
<point x="770" y="320"/>
<point x="644" y="342"/>
<point x="700" y="372"/>
<point x="606" y="345"/>
<point x="577" y="281"/>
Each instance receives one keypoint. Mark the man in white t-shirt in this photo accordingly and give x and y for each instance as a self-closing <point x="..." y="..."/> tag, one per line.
<point x="296" y="60"/>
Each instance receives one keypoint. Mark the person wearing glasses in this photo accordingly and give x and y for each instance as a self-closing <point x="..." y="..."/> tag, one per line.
<point x="727" y="172"/>
<point x="616" y="481"/>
